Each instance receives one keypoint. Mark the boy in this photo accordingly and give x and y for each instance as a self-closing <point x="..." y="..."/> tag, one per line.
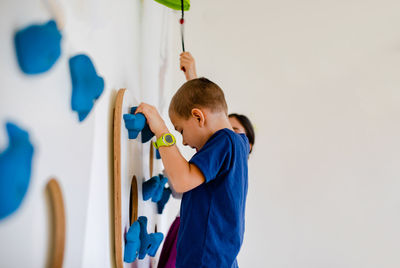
<point x="214" y="181"/>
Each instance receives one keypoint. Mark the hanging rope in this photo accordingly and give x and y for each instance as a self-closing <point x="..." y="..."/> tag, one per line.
<point x="182" y="21"/>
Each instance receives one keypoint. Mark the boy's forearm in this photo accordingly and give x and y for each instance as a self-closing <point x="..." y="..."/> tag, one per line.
<point x="188" y="65"/>
<point x="182" y="175"/>
<point x="190" y="74"/>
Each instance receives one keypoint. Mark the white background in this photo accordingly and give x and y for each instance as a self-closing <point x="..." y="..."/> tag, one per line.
<point x="127" y="43"/>
<point x="320" y="80"/>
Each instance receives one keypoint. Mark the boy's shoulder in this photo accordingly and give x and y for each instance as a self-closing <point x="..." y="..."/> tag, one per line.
<point x="224" y="148"/>
<point x="226" y="133"/>
<point x="225" y="139"/>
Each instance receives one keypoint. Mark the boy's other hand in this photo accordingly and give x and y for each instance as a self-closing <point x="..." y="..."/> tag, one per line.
<point x="188" y="65"/>
<point x="156" y="123"/>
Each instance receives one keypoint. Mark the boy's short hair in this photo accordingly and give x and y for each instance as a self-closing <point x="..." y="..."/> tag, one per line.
<point x="198" y="93"/>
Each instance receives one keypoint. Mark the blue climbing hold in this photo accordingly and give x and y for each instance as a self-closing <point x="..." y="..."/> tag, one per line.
<point x="147" y="134"/>
<point x="87" y="86"/>
<point x="149" y="243"/>
<point x="132" y="243"/>
<point x="38" y="47"/>
<point x="153" y="188"/>
<point x="164" y="199"/>
<point x="156" y="239"/>
<point x="136" y="123"/>
<point x="149" y="187"/>
<point x="158" y="156"/>
<point x="157" y="195"/>
<point x="15" y="170"/>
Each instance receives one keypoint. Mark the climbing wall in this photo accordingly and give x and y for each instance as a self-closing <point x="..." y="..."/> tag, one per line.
<point x="127" y="43"/>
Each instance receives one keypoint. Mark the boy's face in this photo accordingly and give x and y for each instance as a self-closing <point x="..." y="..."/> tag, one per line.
<point x="193" y="133"/>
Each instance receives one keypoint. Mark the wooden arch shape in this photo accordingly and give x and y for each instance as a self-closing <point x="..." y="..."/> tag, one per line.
<point x="118" y="230"/>
<point x="58" y="224"/>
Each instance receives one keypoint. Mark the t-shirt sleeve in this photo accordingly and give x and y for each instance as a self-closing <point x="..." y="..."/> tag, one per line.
<point x="215" y="156"/>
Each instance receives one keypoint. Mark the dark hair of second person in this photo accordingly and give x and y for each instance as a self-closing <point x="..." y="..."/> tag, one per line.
<point x="241" y="124"/>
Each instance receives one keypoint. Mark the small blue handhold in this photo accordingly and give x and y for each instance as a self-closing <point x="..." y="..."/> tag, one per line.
<point x="38" y="47"/>
<point x="132" y="243"/>
<point x="153" y="188"/>
<point x="134" y="123"/>
<point x="164" y="199"/>
<point x="157" y="194"/>
<point x="156" y="239"/>
<point x="149" y="243"/>
<point x="149" y="187"/>
<point x="158" y="156"/>
<point x="147" y="134"/>
<point x="87" y="86"/>
<point x="15" y="170"/>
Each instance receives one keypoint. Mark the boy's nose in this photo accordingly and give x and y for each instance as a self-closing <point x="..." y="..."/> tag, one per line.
<point x="184" y="142"/>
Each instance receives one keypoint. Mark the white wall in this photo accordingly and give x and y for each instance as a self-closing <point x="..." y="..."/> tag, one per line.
<point x="126" y="41"/>
<point x="63" y="147"/>
<point x="147" y="66"/>
<point x="319" y="79"/>
<point x="321" y="82"/>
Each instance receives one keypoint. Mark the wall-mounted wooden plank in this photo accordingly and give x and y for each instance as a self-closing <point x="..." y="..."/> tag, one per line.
<point x="134" y="201"/>
<point x="58" y="224"/>
<point x="151" y="160"/>
<point x="117" y="178"/>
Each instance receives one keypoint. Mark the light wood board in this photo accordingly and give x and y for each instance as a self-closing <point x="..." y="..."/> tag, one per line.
<point x="151" y="160"/>
<point x="126" y="164"/>
<point x="58" y="226"/>
<point x="134" y="201"/>
<point x="117" y="178"/>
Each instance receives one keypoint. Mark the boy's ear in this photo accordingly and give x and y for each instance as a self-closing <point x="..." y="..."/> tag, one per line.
<point x="199" y="116"/>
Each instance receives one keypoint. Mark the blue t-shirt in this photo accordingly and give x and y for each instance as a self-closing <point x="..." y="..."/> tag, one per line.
<point x="212" y="214"/>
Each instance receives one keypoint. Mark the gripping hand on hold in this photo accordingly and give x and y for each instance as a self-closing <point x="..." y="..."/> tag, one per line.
<point x="188" y="65"/>
<point x="154" y="119"/>
<point x="183" y="175"/>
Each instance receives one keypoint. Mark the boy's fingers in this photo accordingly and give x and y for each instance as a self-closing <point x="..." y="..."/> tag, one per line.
<point x="184" y="53"/>
<point x="141" y="108"/>
<point x="138" y="110"/>
<point x="186" y="57"/>
<point x="182" y="67"/>
<point x="185" y="60"/>
<point x="186" y="64"/>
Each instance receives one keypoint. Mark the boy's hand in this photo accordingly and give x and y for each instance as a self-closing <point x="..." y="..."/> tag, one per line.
<point x="156" y="123"/>
<point x="188" y="66"/>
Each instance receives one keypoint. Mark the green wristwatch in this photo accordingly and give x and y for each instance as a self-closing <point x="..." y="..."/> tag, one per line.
<point x="165" y="140"/>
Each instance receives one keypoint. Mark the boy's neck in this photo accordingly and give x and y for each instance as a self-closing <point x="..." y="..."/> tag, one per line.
<point x="217" y="121"/>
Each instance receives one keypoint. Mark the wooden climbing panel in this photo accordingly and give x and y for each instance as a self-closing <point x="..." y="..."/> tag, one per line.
<point x="58" y="224"/>
<point x="117" y="178"/>
<point x="125" y="185"/>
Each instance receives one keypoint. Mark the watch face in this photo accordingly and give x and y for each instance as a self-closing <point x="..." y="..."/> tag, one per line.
<point x="168" y="139"/>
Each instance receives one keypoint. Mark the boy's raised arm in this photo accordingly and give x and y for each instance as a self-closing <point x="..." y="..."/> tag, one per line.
<point x="188" y="65"/>
<point x="183" y="175"/>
